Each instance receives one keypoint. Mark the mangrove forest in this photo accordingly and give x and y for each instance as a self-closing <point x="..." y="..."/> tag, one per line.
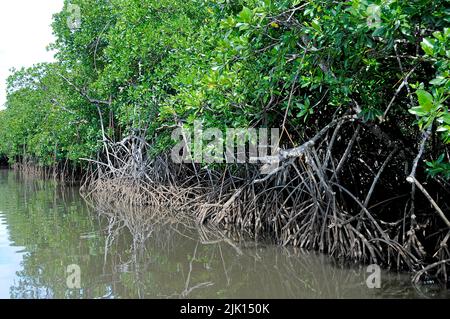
<point x="310" y="124"/>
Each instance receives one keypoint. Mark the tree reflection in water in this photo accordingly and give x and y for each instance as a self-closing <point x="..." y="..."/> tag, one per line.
<point x="150" y="253"/>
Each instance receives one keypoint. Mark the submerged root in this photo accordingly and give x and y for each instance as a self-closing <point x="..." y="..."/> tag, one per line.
<point x="347" y="205"/>
<point x="61" y="173"/>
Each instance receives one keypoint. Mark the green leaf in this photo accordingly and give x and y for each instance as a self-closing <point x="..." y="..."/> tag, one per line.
<point x="438" y="81"/>
<point x="417" y="111"/>
<point x="425" y="100"/>
<point x="446" y="118"/>
<point x="378" y="32"/>
<point x="246" y="15"/>
<point x="427" y="46"/>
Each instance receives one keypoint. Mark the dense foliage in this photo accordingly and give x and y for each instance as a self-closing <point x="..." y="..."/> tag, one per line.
<point x="149" y="64"/>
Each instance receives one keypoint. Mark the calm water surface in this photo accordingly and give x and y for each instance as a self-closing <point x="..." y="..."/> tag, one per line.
<point x="45" y="228"/>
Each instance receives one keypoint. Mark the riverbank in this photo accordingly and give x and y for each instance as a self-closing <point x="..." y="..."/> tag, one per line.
<point x="321" y="196"/>
<point x="311" y="201"/>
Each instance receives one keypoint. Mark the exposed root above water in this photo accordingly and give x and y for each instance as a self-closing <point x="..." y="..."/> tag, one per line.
<point x="62" y="173"/>
<point x="353" y="204"/>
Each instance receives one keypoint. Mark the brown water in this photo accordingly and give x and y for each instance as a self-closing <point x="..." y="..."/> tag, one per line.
<point x="45" y="228"/>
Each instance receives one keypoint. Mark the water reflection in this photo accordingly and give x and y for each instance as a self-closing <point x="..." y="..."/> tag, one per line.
<point x="10" y="258"/>
<point x="125" y="253"/>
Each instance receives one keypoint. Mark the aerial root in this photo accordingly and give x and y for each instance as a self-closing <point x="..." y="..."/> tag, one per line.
<point x="312" y="200"/>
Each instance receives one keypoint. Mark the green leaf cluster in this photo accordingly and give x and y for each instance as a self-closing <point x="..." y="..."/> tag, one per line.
<point x="229" y="63"/>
